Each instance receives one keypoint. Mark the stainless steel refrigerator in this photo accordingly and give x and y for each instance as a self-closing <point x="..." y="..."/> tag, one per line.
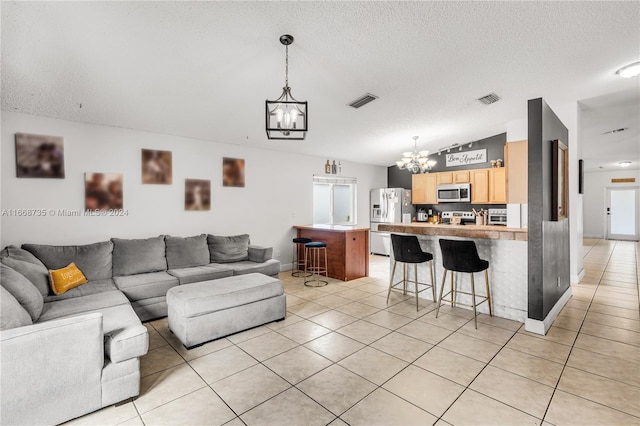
<point x="388" y="205"/>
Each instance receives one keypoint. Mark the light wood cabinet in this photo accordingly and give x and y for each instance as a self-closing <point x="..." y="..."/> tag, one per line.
<point x="424" y="188"/>
<point x="479" y="186"/>
<point x="497" y="186"/>
<point x="444" y="177"/>
<point x="461" y="177"/>
<point x="516" y="160"/>
<point x="488" y="186"/>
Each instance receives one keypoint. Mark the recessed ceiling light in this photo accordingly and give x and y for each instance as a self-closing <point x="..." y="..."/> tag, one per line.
<point x="630" y="70"/>
<point x="611" y="132"/>
<point x="624" y="163"/>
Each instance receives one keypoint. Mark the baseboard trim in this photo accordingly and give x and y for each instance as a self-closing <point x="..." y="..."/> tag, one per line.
<point x="575" y="279"/>
<point x="541" y="327"/>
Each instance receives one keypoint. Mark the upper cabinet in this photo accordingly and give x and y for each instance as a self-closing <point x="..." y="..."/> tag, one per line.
<point x="424" y="188"/>
<point x="444" y="177"/>
<point x="516" y="158"/>
<point x="497" y="186"/>
<point x="462" y="176"/>
<point x="479" y="186"/>
<point x="488" y="186"/>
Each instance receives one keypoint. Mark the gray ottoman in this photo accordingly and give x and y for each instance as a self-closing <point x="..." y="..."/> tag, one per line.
<point x="208" y="310"/>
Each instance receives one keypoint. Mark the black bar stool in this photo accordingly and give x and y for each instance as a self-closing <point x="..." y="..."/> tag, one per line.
<point x="298" y="244"/>
<point x="313" y="255"/>
<point x="462" y="256"/>
<point x="406" y="249"/>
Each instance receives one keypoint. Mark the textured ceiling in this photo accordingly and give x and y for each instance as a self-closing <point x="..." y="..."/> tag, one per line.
<point x="600" y="115"/>
<point x="204" y="69"/>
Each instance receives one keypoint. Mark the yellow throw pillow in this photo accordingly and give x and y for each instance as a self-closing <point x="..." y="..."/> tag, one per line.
<point x="66" y="278"/>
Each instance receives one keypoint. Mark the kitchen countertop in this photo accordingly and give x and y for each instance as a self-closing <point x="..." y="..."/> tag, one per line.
<point x="333" y="228"/>
<point x="493" y="232"/>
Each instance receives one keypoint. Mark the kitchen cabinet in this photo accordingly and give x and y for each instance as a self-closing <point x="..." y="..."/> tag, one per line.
<point x="488" y="186"/>
<point x="424" y="188"/>
<point x="516" y="160"/>
<point x="497" y="186"/>
<point x="444" y="177"/>
<point x="479" y="186"/>
<point x="347" y="249"/>
<point x="461" y="177"/>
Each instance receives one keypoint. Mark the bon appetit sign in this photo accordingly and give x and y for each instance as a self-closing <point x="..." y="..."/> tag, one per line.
<point x="468" y="157"/>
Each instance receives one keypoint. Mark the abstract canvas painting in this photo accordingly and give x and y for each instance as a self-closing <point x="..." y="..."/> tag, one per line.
<point x="233" y="172"/>
<point x="197" y="194"/>
<point x="103" y="191"/>
<point x="39" y="156"/>
<point x="156" y="167"/>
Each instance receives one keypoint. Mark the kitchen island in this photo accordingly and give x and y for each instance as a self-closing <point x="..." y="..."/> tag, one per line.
<point x="347" y="248"/>
<point x="504" y="248"/>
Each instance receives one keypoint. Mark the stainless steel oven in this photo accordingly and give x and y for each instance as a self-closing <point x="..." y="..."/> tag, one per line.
<point x="456" y="193"/>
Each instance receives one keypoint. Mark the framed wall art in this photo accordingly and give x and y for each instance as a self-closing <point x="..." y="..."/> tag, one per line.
<point x="233" y="172"/>
<point x="156" y="167"/>
<point x="39" y="156"/>
<point x="103" y="191"/>
<point x="197" y="194"/>
<point x="560" y="181"/>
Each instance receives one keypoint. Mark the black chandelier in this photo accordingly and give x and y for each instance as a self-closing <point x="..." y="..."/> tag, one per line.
<point x="286" y="117"/>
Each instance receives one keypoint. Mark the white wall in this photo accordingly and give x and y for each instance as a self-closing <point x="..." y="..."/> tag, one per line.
<point x="278" y="192"/>
<point x="595" y="194"/>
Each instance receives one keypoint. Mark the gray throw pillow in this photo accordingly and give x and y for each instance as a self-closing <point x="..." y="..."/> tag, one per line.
<point x="37" y="274"/>
<point x="23" y="290"/>
<point x="187" y="252"/>
<point x="94" y="260"/>
<point x="12" y="315"/>
<point x="228" y="249"/>
<point x="138" y="256"/>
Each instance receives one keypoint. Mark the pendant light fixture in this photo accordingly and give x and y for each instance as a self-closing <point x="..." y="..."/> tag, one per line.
<point x="286" y="117"/>
<point x="416" y="162"/>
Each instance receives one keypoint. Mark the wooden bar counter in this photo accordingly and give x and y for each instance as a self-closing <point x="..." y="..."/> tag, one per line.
<point x="492" y="232"/>
<point x="347" y="248"/>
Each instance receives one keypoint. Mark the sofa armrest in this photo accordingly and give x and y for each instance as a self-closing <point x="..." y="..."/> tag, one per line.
<point x="260" y="254"/>
<point x="51" y="371"/>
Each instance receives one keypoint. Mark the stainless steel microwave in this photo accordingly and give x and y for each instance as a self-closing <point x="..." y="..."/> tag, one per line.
<point x="456" y="193"/>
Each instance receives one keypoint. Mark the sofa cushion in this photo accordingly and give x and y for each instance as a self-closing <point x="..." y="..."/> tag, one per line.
<point x="150" y="309"/>
<point x="186" y="252"/>
<point x="211" y="296"/>
<point x="23" y="290"/>
<point x="201" y="273"/>
<point x="12" y="315"/>
<point x="28" y="265"/>
<point x="82" y="305"/>
<point x="94" y="260"/>
<point x="228" y="249"/>
<point x="138" y="256"/>
<point x="144" y="286"/>
<point x="67" y="278"/>
<point x="270" y="267"/>
<point x="91" y="287"/>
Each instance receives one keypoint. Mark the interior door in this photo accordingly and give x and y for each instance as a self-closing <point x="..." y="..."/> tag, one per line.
<point x="623" y="214"/>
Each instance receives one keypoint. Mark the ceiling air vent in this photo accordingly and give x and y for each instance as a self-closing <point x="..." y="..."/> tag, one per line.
<point x="363" y="100"/>
<point x="489" y="99"/>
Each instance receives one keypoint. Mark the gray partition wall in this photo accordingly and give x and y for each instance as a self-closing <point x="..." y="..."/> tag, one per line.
<point x="548" y="257"/>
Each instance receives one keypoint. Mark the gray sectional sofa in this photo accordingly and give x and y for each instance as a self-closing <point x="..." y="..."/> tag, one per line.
<point x="67" y="355"/>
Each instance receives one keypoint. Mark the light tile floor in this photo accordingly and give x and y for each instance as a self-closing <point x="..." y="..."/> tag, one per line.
<point x="343" y="356"/>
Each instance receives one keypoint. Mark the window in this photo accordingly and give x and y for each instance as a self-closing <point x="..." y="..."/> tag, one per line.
<point x="334" y="200"/>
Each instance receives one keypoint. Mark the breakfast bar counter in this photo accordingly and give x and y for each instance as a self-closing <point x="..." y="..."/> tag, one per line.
<point x="493" y="232"/>
<point x="504" y="248"/>
<point x="347" y="248"/>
